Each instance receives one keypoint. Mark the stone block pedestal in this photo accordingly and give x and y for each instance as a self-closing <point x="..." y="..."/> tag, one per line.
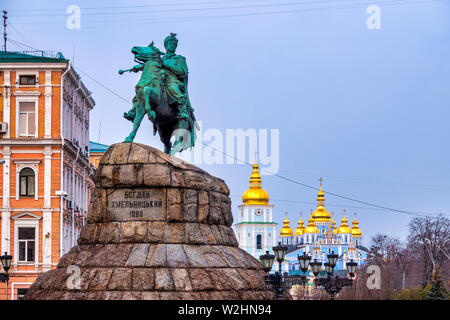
<point x="156" y="229"/>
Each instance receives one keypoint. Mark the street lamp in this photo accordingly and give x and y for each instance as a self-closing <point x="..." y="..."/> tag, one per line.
<point x="267" y="261"/>
<point x="315" y="267"/>
<point x="332" y="285"/>
<point x="279" y="281"/>
<point x="328" y="268"/>
<point x="304" y="261"/>
<point x="351" y="267"/>
<point x="332" y="259"/>
<point x="6" y="264"/>
<point x="280" y="252"/>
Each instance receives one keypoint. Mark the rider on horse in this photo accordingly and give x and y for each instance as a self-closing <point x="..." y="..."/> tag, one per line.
<point x="172" y="82"/>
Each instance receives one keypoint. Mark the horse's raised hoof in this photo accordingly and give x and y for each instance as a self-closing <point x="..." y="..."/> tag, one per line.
<point x="126" y="116"/>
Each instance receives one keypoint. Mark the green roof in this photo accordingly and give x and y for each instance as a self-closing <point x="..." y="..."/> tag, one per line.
<point x="97" y="147"/>
<point x="31" y="56"/>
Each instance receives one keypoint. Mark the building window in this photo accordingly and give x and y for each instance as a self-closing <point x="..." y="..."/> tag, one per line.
<point x="258" y="242"/>
<point x="21" y="293"/>
<point x="27" y="80"/>
<point x="27" y="244"/>
<point x="27" y="182"/>
<point x="27" y="119"/>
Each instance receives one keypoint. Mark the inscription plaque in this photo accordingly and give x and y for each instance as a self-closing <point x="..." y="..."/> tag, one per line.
<point x="144" y="204"/>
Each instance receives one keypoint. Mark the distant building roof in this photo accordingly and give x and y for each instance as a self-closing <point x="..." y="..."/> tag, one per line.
<point x="363" y="248"/>
<point x="31" y="56"/>
<point x="97" y="147"/>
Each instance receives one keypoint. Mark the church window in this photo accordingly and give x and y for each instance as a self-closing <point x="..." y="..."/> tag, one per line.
<point x="258" y="242"/>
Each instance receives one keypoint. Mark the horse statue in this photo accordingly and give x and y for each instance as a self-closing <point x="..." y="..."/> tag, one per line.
<point x="161" y="93"/>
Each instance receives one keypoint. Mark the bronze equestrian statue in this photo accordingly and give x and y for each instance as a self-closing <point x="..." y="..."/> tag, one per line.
<point x="162" y="94"/>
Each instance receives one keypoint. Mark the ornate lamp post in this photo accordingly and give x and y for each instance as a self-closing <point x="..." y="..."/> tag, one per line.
<point x="281" y="282"/>
<point x="6" y="263"/>
<point x="315" y="267"/>
<point x="333" y="285"/>
<point x="280" y="252"/>
<point x="304" y="262"/>
<point x="267" y="261"/>
<point x="351" y="267"/>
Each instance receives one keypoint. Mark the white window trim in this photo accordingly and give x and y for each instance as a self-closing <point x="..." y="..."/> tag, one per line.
<point x="33" y="165"/>
<point x="36" y="115"/>
<point x="20" y="222"/>
<point x="27" y="73"/>
<point x="19" y="284"/>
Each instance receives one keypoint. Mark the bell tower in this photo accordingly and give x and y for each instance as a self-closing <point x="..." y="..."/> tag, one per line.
<point x="255" y="229"/>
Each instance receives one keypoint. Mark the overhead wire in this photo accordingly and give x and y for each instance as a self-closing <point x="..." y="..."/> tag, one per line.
<point x="272" y="173"/>
<point x="196" y="18"/>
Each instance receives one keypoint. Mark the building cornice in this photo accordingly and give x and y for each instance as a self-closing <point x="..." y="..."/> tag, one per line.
<point x="29" y="141"/>
<point x="33" y="65"/>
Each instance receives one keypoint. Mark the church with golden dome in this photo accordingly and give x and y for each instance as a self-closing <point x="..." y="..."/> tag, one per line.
<point x="321" y="236"/>
<point x="256" y="231"/>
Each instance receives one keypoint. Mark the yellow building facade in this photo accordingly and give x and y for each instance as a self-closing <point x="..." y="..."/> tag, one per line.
<point x="45" y="171"/>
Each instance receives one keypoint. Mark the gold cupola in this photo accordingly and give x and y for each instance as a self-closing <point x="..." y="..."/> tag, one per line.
<point x="321" y="214"/>
<point x="255" y="195"/>
<point x="300" y="229"/>
<point x="286" y="231"/>
<point x="311" y="227"/>
<point x="344" y="228"/>
<point x="335" y="229"/>
<point x="356" y="231"/>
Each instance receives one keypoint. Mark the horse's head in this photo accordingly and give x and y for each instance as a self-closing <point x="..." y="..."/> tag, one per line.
<point x="145" y="54"/>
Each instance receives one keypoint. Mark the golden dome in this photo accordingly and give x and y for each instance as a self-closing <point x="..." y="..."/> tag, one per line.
<point x="356" y="231"/>
<point x="321" y="214"/>
<point x="286" y="231"/>
<point x="300" y="229"/>
<point x="344" y="228"/>
<point x="255" y="194"/>
<point x="335" y="230"/>
<point x="311" y="227"/>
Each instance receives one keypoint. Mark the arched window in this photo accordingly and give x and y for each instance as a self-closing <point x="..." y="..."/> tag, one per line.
<point x="27" y="182"/>
<point x="258" y="242"/>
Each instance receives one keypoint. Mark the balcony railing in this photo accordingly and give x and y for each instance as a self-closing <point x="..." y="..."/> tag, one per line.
<point x="29" y="54"/>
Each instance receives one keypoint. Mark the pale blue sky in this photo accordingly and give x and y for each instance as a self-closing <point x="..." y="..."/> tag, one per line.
<point x="366" y="109"/>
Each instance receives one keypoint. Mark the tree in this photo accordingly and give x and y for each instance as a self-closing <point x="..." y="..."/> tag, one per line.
<point x="403" y="258"/>
<point x="430" y="238"/>
<point x="384" y="248"/>
<point x="436" y="290"/>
